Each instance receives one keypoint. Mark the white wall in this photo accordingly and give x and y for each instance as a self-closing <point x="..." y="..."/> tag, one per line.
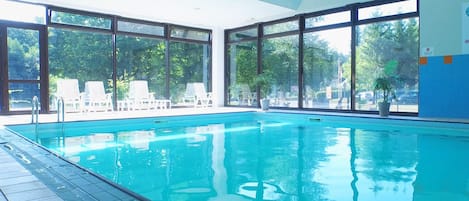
<point x="218" y="66"/>
<point x="441" y="26"/>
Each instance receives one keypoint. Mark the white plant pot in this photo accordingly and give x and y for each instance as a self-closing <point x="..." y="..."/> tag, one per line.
<point x="265" y="104"/>
<point x="384" y="108"/>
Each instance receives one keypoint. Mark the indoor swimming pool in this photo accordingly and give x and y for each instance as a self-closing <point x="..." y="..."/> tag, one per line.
<point x="268" y="156"/>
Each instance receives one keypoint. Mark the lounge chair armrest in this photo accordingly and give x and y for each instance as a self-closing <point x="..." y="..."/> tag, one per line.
<point x="151" y="95"/>
<point x="82" y="96"/>
<point x="109" y="96"/>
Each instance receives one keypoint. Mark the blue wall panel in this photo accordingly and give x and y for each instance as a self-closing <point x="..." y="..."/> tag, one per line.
<point x="444" y="88"/>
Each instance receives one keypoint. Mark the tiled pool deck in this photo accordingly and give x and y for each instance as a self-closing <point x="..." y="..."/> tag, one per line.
<point x="29" y="172"/>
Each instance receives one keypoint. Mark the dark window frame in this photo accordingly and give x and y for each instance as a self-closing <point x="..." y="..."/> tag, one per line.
<point x="51" y="9"/>
<point x="142" y="22"/>
<point x="43" y="65"/>
<point x="354" y="22"/>
<point x="44" y="80"/>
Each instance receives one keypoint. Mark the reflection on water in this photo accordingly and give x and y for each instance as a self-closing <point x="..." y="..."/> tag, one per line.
<point x="261" y="160"/>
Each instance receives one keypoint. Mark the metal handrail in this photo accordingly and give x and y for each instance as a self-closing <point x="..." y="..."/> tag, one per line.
<point x="35" y="110"/>
<point x="60" y="109"/>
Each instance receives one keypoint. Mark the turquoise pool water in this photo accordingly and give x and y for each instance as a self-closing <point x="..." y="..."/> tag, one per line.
<point x="269" y="156"/>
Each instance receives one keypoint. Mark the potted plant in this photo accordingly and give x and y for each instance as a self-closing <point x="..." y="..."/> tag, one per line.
<point x="384" y="86"/>
<point x="263" y="82"/>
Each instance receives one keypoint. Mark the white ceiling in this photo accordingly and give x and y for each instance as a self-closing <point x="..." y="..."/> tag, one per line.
<point x="201" y="13"/>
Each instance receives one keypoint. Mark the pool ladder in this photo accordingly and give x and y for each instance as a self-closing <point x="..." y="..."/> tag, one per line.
<point x="35" y="110"/>
<point x="60" y="110"/>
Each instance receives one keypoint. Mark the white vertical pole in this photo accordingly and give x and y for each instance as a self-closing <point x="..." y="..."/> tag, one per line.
<point x="218" y="66"/>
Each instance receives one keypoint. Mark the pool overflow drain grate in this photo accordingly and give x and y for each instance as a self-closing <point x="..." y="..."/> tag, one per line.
<point x="3" y="197"/>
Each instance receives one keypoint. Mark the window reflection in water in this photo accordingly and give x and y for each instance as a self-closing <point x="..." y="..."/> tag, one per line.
<point x="273" y="160"/>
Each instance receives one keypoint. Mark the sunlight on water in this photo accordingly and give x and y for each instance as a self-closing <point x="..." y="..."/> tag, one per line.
<point x="265" y="159"/>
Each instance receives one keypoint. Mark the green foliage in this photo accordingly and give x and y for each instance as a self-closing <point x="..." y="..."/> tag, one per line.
<point x="80" y="55"/>
<point x="243" y="67"/>
<point x="189" y="63"/>
<point x="88" y="56"/>
<point x="23" y="54"/>
<point x="280" y="59"/>
<point x="379" y="43"/>
<point x="390" y="68"/>
<point x="246" y="62"/>
<point x="322" y="63"/>
<point x="140" y="59"/>
<point x="264" y="82"/>
<point x="384" y="86"/>
<point x="386" y="81"/>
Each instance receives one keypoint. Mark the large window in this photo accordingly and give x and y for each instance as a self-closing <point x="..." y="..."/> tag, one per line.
<point x="326" y="84"/>
<point x="79" y="55"/>
<point x="338" y="55"/>
<point x="20" y="54"/>
<point x="189" y="63"/>
<point x="140" y="28"/>
<point x="23" y="57"/>
<point x="242" y="69"/>
<point x="140" y="58"/>
<point x="81" y="50"/>
<point x="388" y="49"/>
<point x="280" y="51"/>
<point x="184" y="33"/>
<point x="280" y="63"/>
<point x="94" y="59"/>
<point x="84" y="20"/>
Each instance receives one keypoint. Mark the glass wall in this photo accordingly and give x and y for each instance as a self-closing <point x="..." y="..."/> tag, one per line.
<point x="140" y="58"/>
<point x="338" y="55"/>
<point x="21" y="58"/>
<point x="91" y="60"/>
<point x="81" y="50"/>
<point x="280" y="63"/>
<point x="189" y="63"/>
<point x="79" y="55"/>
<point x="387" y="49"/>
<point x="23" y="67"/>
<point x="242" y="67"/>
<point x="326" y="84"/>
<point x="242" y="70"/>
<point x="82" y="20"/>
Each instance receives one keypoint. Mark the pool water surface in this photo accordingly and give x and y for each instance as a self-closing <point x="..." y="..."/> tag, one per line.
<point x="269" y="156"/>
